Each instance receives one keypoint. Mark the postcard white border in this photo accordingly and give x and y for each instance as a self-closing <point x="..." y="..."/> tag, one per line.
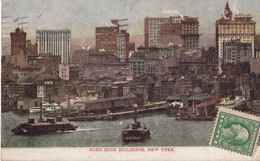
<point x="78" y="154"/>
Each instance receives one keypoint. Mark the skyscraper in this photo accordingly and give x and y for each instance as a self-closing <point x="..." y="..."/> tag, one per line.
<point x="18" y="42"/>
<point x="152" y="36"/>
<point x="177" y="30"/>
<point x="234" y="27"/>
<point x="106" y="37"/>
<point x="122" y="45"/>
<point x="55" y="42"/>
<point x="190" y="32"/>
<point x="114" y="40"/>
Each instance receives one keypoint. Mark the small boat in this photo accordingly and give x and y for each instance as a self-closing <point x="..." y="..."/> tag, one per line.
<point x="238" y="103"/>
<point x="193" y="116"/>
<point x="204" y="111"/>
<point x="135" y="132"/>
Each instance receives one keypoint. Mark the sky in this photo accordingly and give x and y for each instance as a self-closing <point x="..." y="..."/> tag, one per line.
<point x="82" y="16"/>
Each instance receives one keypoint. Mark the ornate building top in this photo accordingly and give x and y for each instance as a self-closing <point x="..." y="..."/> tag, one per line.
<point x="227" y="12"/>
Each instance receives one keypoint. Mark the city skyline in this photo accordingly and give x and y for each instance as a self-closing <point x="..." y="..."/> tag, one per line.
<point x="73" y="75"/>
<point x="81" y="17"/>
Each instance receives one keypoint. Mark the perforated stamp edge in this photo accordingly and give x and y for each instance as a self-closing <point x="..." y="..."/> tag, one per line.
<point x="240" y="114"/>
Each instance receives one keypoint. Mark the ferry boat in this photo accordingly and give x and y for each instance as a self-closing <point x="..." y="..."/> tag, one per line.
<point x="43" y="126"/>
<point x="135" y="132"/>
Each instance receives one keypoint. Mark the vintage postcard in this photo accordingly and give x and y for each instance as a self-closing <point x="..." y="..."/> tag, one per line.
<point x="130" y="80"/>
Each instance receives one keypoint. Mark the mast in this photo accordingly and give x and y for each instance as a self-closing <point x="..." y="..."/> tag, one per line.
<point x="41" y="110"/>
<point x="206" y="108"/>
<point x="135" y="107"/>
<point x="193" y="106"/>
<point x="68" y="100"/>
<point x="41" y="93"/>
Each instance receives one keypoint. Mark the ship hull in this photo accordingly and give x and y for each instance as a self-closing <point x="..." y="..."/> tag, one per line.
<point x="27" y="129"/>
<point x="186" y="118"/>
<point x="135" y="136"/>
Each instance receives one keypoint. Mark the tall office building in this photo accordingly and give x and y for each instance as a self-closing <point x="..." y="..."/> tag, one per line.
<point x="234" y="27"/>
<point x="123" y="45"/>
<point x="18" y="49"/>
<point x="18" y="42"/>
<point x="177" y="30"/>
<point x="113" y="39"/>
<point x="152" y="36"/>
<point x="55" y="42"/>
<point x="190" y="32"/>
<point x="106" y="37"/>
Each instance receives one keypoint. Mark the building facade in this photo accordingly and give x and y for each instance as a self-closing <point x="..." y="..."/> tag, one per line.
<point x="236" y="52"/>
<point x="18" y="42"/>
<point x="230" y="27"/>
<point x="54" y="42"/>
<point x="106" y="37"/>
<point x="171" y="34"/>
<point x="257" y="45"/>
<point x="114" y="40"/>
<point x="152" y="36"/>
<point x="136" y="63"/>
<point x="164" y="32"/>
<point x="190" y="32"/>
<point x="45" y="63"/>
<point x="122" y="45"/>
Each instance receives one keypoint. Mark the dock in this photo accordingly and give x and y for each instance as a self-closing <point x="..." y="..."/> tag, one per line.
<point x="120" y="115"/>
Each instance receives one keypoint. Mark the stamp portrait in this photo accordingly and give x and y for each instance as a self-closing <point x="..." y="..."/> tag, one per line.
<point x="236" y="131"/>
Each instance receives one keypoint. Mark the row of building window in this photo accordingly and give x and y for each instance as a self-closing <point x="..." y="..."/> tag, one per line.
<point x="222" y="38"/>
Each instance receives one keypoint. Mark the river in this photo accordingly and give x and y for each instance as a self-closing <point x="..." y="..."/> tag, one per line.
<point x="165" y="131"/>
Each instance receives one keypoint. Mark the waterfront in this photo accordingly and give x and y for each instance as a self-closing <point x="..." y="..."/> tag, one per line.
<point x="165" y="131"/>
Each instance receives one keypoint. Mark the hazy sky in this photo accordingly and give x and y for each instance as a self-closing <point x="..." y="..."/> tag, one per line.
<point x="82" y="16"/>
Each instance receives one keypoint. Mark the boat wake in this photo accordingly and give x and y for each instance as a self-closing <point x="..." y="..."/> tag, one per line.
<point x="90" y="129"/>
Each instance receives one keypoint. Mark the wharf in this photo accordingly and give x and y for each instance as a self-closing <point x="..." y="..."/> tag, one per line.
<point x="120" y="115"/>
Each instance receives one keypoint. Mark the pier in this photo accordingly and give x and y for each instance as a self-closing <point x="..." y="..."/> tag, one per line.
<point x="146" y="110"/>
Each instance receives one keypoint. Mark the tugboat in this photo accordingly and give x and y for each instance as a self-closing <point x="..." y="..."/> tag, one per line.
<point x="135" y="132"/>
<point x="43" y="126"/>
<point x="197" y="112"/>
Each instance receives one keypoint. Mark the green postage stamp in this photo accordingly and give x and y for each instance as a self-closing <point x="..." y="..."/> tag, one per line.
<point x="236" y="131"/>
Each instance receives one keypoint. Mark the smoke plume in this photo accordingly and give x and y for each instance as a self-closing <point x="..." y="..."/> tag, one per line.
<point x="172" y="12"/>
<point x="235" y="7"/>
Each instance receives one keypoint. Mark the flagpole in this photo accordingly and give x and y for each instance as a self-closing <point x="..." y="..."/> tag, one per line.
<point x="41" y="110"/>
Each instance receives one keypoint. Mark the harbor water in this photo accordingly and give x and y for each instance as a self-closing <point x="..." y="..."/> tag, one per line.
<point x="165" y="131"/>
